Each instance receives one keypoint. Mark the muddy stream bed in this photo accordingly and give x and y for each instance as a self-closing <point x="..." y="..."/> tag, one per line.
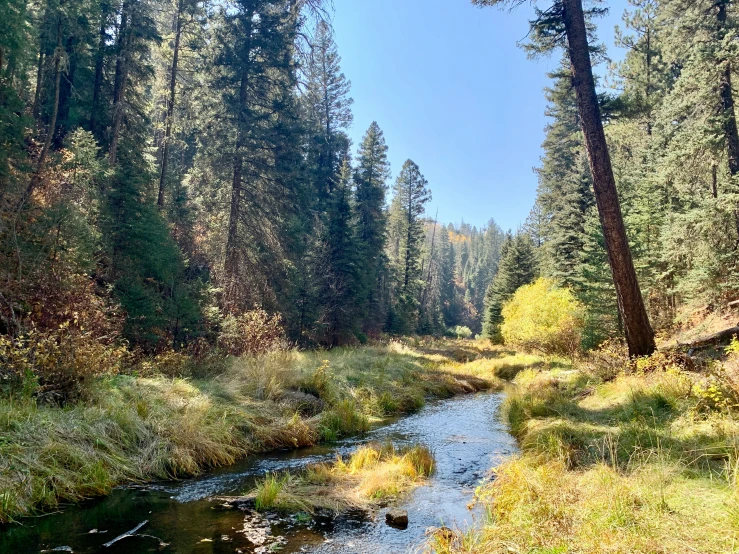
<point x="464" y="434"/>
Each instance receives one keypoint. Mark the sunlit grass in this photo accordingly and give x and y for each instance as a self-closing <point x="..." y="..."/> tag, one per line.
<point x="634" y="464"/>
<point x="372" y="473"/>
<point x="140" y="428"/>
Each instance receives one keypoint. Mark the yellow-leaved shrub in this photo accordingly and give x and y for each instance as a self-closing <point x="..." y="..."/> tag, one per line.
<point x="544" y="317"/>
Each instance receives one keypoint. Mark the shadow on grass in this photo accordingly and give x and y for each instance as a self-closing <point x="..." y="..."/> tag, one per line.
<point x="551" y="422"/>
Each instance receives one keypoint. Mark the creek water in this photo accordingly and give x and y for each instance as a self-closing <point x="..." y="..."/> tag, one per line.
<point x="464" y="434"/>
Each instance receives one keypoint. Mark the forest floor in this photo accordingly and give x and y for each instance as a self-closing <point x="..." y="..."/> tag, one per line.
<point x="132" y="428"/>
<point x="638" y="460"/>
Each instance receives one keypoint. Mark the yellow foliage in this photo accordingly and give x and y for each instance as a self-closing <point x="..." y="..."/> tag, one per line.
<point x="544" y="317"/>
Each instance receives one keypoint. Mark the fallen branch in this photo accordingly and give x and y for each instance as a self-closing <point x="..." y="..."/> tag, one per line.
<point x="127" y="534"/>
<point x="710" y="340"/>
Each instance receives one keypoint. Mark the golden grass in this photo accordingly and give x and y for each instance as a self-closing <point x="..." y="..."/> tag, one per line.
<point x="633" y="465"/>
<point x="139" y="428"/>
<point x="372" y="474"/>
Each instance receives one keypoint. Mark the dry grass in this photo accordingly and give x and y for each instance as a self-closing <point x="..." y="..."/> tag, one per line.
<point x="637" y="464"/>
<point x="372" y="474"/>
<point x="139" y="428"/>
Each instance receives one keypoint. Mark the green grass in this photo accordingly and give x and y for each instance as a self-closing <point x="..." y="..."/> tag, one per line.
<point x="635" y="464"/>
<point x="133" y="428"/>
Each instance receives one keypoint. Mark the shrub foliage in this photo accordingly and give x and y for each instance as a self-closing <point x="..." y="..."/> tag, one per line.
<point x="544" y="317"/>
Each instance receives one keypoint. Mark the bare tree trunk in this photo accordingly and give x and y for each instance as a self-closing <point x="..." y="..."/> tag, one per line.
<point x="639" y="333"/>
<point x="170" y="105"/>
<point x="39" y="74"/>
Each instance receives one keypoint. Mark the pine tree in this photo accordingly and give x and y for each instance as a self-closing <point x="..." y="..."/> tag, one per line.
<point x="565" y="184"/>
<point x="328" y="107"/>
<point x="340" y="269"/>
<point x="565" y="23"/>
<point x="370" y="177"/>
<point x="258" y="71"/>
<point x="517" y="268"/>
<point x="406" y="240"/>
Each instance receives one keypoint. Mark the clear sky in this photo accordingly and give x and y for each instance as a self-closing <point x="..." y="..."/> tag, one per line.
<point x="452" y="91"/>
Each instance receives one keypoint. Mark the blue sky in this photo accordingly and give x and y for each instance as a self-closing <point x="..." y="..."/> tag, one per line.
<point x="452" y="91"/>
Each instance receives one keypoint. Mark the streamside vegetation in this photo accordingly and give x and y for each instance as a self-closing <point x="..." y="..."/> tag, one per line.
<point x="168" y="420"/>
<point x="372" y="475"/>
<point x="617" y="455"/>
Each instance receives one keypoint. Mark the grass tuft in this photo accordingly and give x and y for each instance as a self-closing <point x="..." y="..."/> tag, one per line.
<point x="372" y="474"/>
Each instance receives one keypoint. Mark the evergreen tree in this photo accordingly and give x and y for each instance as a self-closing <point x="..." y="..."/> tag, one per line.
<point x="406" y="241"/>
<point x="517" y="268"/>
<point x="328" y="107"/>
<point x="339" y="266"/>
<point x="565" y="24"/>
<point x="370" y="179"/>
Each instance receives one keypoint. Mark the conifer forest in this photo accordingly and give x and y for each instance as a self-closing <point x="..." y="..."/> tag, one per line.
<point x="198" y="265"/>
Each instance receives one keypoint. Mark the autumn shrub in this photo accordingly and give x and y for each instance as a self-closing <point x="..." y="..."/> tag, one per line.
<point x="252" y="332"/>
<point x="544" y="317"/>
<point x="56" y="365"/>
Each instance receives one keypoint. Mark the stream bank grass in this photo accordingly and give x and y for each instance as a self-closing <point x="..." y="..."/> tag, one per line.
<point x="371" y="475"/>
<point x="137" y="428"/>
<point x="636" y="464"/>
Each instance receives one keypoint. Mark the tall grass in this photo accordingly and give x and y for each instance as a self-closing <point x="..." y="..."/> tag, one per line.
<point x="633" y="464"/>
<point x="137" y="428"/>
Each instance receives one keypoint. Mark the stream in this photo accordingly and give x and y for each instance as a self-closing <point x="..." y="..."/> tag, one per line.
<point x="464" y="434"/>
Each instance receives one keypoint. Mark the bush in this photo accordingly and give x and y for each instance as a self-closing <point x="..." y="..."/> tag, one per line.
<point x="461" y="332"/>
<point x="56" y="365"/>
<point x="253" y="332"/>
<point x="544" y="317"/>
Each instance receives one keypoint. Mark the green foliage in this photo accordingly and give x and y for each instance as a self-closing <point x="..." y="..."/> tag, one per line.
<point x="406" y="239"/>
<point x="461" y="332"/>
<point x="147" y="266"/>
<point x="517" y="268"/>
<point x="370" y="177"/>
<point x="544" y="317"/>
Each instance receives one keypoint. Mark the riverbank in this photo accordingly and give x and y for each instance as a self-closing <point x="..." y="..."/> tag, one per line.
<point x="134" y="429"/>
<point x="615" y="459"/>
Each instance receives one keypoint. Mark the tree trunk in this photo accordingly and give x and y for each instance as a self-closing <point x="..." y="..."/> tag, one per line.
<point x="639" y="333"/>
<point x="170" y="105"/>
<point x="98" y="82"/>
<point x="121" y="83"/>
<point x="727" y="101"/>
<point x="39" y="75"/>
<point x="52" y="124"/>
